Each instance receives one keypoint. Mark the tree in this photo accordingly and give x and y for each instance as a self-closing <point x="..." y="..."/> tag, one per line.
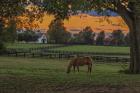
<point x="100" y="38"/>
<point x="75" y="39"/>
<point x="57" y="32"/>
<point x="117" y="38"/>
<point x="129" y="10"/>
<point x="86" y="36"/>
<point x="9" y="34"/>
<point x="9" y="10"/>
<point x="28" y="36"/>
<point x="1" y="34"/>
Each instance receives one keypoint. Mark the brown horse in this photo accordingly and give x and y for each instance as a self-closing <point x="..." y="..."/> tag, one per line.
<point x="80" y="61"/>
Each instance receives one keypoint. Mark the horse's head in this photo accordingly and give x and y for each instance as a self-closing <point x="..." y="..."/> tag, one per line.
<point x="69" y="66"/>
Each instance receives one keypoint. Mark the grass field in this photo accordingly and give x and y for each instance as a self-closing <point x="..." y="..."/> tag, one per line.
<point x="34" y="75"/>
<point x="75" y="48"/>
<point x="99" y="49"/>
<point x="26" y="45"/>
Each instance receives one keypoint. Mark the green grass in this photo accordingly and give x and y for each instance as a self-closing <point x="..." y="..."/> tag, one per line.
<point x="75" y="48"/>
<point x="99" y="49"/>
<point x="52" y="72"/>
<point x="26" y="45"/>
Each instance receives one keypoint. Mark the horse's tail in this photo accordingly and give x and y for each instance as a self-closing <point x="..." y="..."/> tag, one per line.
<point x="69" y="68"/>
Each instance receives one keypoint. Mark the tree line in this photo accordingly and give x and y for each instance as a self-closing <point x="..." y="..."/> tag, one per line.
<point x="58" y="34"/>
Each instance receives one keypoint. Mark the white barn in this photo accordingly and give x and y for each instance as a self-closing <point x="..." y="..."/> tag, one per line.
<point x="42" y="39"/>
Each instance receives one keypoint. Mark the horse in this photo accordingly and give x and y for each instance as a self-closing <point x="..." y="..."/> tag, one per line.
<point x="80" y="61"/>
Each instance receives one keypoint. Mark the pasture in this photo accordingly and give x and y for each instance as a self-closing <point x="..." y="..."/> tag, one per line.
<point x="96" y="49"/>
<point x="26" y="45"/>
<point x="38" y="75"/>
<point x="73" y="48"/>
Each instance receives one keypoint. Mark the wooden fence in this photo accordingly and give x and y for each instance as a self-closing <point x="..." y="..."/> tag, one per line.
<point x="43" y="52"/>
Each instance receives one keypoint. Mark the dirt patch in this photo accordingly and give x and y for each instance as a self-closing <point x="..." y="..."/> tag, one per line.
<point x="77" y="89"/>
<point x="97" y="89"/>
<point x="35" y="85"/>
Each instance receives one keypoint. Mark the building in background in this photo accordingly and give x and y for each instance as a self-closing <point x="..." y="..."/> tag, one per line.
<point x="42" y="39"/>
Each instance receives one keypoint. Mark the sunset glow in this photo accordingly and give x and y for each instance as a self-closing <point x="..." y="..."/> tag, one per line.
<point x="78" y="22"/>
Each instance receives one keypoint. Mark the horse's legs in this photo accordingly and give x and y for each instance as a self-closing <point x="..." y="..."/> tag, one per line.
<point x="74" y="68"/>
<point x="78" y="68"/>
<point x="89" y="68"/>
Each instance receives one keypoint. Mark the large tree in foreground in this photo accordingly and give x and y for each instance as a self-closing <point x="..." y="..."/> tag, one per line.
<point x="130" y="12"/>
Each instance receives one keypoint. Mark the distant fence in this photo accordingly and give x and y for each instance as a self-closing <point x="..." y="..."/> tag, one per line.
<point x="45" y="52"/>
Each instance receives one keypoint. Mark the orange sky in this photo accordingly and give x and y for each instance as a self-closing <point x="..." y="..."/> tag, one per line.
<point x="97" y="23"/>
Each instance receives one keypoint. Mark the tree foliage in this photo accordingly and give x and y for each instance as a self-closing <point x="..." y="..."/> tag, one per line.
<point x="117" y="38"/>
<point x="27" y="36"/>
<point x="9" y="9"/>
<point x="100" y="38"/>
<point x="87" y="36"/>
<point x="9" y="33"/>
<point x="57" y="32"/>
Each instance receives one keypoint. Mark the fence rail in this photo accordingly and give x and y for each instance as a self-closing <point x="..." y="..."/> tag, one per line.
<point x="44" y="52"/>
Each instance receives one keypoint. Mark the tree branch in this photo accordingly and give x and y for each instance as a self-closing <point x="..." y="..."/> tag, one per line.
<point x="125" y="14"/>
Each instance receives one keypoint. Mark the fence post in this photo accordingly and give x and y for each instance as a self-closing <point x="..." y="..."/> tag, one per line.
<point x="16" y="54"/>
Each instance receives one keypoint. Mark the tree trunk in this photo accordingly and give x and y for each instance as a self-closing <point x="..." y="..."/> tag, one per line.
<point x="1" y="41"/>
<point x="132" y="19"/>
<point x="135" y="41"/>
